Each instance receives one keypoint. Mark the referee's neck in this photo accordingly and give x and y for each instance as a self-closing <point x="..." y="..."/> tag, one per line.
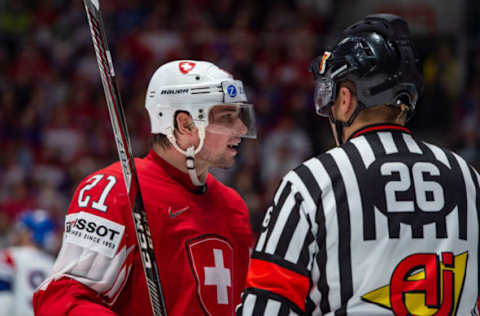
<point x="359" y="124"/>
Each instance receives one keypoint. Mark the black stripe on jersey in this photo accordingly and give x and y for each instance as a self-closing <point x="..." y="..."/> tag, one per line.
<point x="315" y="192"/>
<point x="320" y="259"/>
<point x="376" y="144"/>
<point x="276" y="211"/>
<point x="400" y="142"/>
<point x="262" y="299"/>
<point x="260" y="305"/>
<point x="462" y="202"/>
<point x="309" y="180"/>
<point x="441" y="222"/>
<point x="477" y="208"/>
<point x="369" y="230"/>
<point x="289" y="228"/>
<point x="344" y="232"/>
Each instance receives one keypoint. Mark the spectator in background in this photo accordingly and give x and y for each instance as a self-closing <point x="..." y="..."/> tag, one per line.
<point x="284" y="149"/>
<point x="467" y="135"/>
<point x="52" y="110"/>
<point x="27" y="263"/>
<point x="442" y="85"/>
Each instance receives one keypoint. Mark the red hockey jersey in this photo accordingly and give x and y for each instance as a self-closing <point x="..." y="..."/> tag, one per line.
<point x="201" y="241"/>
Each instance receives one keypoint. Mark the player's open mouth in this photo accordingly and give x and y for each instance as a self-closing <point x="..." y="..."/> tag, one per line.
<point x="233" y="148"/>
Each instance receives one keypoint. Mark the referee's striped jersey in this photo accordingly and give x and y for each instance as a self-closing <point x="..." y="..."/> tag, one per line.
<point x="383" y="225"/>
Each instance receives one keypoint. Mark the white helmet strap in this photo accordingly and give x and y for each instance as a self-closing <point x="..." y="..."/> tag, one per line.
<point x="189" y="153"/>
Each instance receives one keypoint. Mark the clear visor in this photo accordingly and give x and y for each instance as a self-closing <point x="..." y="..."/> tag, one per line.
<point x="236" y="120"/>
<point x="324" y="96"/>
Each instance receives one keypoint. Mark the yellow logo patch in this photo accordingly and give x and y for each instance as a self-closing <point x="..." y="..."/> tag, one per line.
<point x="422" y="285"/>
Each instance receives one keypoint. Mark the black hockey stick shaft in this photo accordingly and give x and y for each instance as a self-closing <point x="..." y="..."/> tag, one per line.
<point x="122" y="141"/>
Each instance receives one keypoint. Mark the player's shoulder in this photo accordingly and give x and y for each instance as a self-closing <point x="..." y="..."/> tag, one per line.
<point x="239" y="216"/>
<point x="230" y="195"/>
<point x="101" y="193"/>
<point x="310" y="167"/>
<point x="113" y="169"/>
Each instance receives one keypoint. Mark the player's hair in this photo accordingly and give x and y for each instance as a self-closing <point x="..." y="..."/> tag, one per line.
<point x="160" y="140"/>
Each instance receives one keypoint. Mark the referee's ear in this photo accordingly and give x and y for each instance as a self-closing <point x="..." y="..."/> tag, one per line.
<point x="345" y="104"/>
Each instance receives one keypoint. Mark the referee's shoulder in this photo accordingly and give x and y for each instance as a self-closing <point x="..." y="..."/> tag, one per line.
<point x="316" y="161"/>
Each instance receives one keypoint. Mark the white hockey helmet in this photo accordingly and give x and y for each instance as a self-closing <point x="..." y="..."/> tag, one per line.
<point x="194" y="87"/>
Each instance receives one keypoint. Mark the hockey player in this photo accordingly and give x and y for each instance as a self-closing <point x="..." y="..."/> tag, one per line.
<point x="26" y="264"/>
<point x="200" y="228"/>
<point x="384" y="224"/>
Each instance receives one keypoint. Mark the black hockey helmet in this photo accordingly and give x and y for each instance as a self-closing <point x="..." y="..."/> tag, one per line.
<point x="377" y="55"/>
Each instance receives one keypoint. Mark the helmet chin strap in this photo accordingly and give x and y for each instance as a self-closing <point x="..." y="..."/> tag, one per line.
<point x="339" y="125"/>
<point x="190" y="154"/>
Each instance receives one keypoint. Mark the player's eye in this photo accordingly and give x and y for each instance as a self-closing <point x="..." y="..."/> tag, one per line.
<point x="227" y="118"/>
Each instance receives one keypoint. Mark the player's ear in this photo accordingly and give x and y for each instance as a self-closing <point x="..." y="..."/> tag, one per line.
<point x="184" y="124"/>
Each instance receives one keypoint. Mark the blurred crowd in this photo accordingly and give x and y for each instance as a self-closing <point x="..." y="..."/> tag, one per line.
<point x="54" y="126"/>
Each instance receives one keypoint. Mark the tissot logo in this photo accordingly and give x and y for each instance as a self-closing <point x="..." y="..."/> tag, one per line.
<point x="92" y="227"/>
<point x="94" y="233"/>
<point x="69" y="225"/>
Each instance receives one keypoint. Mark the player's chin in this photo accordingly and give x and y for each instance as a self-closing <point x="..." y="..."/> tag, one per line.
<point x="225" y="163"/>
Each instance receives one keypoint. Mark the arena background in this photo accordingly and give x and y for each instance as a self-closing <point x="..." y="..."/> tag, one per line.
<point x="54" y="127"/>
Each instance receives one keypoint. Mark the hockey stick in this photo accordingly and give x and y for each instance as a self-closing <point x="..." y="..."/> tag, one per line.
<point x="117" y="117"/>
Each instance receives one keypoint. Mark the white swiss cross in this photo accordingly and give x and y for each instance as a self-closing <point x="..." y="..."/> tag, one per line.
<point x="219" y="276"/>
<point x="186" y="67"/>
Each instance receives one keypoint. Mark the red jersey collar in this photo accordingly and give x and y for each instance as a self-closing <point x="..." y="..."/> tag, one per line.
<point x="176" y="174"/>
<point x="379" y="127"/>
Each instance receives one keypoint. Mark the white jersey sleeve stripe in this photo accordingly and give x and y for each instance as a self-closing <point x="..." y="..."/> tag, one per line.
<point x="329" y="205"/>
<point x="263" y="235"/>
<point x="280" y="224"/>
<point x="349" y="178"/>
<point x="469" y="184"/>
<point x="83" y="265"/>
<point x="249" y="304"/>
<point x="272" y="307"/>
<point x="295" y="247"/>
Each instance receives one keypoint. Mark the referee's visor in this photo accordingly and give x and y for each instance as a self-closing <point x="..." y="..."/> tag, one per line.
<point x="324" y="95"/>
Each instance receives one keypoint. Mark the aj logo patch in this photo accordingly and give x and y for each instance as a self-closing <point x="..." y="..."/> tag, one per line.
<point x="423" y="284"/>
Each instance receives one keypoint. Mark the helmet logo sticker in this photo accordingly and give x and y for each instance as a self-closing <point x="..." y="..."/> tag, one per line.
<point x="186" y="66"/>
<point x="232" y="91"/>
<point x="323" y="62"/>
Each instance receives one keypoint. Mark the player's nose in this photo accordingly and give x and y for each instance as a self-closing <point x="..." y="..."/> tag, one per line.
<point x="240" y="128"/>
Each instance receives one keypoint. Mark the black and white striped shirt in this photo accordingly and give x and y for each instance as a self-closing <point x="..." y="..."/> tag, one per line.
<point x="383" y="225"/>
